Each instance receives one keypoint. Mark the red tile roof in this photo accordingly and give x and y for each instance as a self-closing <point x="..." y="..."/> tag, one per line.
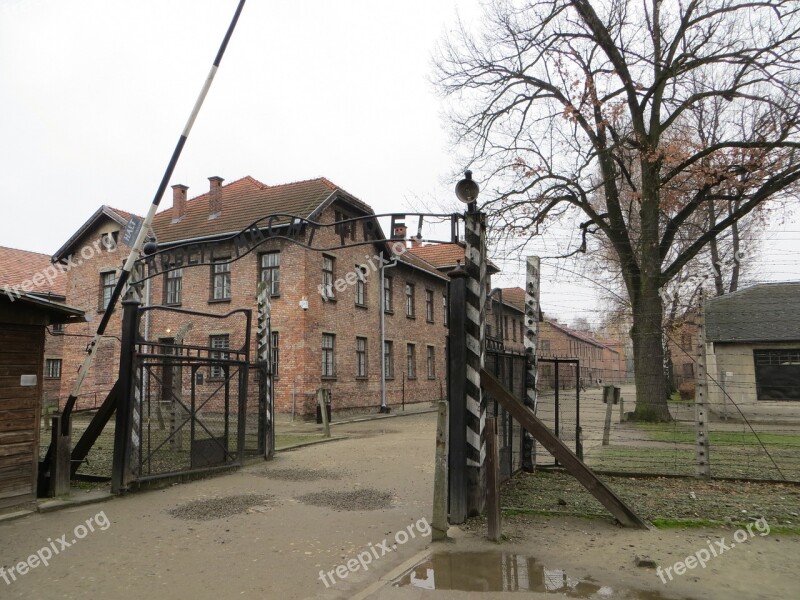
<point x="419" y="263"/>
<point x="446" y="256"/>
<point x="19" y="266"/>
<point x="585" y="337"/>
<point x="243" y="202"/>
<point x="515" y="297"/>
<point x="441" y="255"/>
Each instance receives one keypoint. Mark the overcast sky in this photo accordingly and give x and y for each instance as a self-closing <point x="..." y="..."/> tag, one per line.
<point x="94" y="93"/>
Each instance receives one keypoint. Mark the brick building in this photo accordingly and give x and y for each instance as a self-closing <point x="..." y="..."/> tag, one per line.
<point x="599" y="363"/>
<point x="328" y="329"/>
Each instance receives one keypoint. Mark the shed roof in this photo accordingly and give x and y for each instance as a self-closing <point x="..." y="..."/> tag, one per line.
<point x="56" y="312"/>
<point x="18" y="267"/>
<point x="766" y="312"/>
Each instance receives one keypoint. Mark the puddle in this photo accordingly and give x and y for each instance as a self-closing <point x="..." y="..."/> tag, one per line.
<point x="506" y="572"/>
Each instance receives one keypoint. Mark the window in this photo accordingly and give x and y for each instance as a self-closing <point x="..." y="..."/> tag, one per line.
<point x="52" y="368"/>
<point x="344" y="229"/>
<point x="58" y="329"/>
<point x="777" y="374"/>
<point x="271" y="272"/>
<point x="410" y="300"/>
<point x="173" y="286"/>
<point x="514" y="330"/>
<point x="328" y="264"/>
<point x="361" y="285"/>
<point x="429" y="306"/>
<point x="387" y="294"/>
<point x="445" y="310"/>
<point x="274" y="352"/>
<point x="221" y="279"/>
<point x="431" y="361"/>
<point x="545" y="346"/>
<point x="107" y="283"/>
<point x="522" y="331"/>
<point x="218" y="343"/>
<point x="361" y="357"/>
<point x="505" y="327"/>
<point x="388" y="359"/>
<point x="411" y="360"/>
<point x="110" y="240"/>
<point x="328" y="364"/>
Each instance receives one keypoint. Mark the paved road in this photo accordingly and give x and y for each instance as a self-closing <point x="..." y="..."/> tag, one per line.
<point x="273" y="551"/>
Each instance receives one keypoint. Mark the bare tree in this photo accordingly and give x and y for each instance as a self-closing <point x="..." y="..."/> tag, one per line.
<point x="553" y="92"/>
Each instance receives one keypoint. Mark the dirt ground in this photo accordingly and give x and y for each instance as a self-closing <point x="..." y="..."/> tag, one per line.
<point x="268" y="530"/>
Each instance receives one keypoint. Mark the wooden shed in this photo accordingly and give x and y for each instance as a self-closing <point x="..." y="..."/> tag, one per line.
<point x="23" y="320"/>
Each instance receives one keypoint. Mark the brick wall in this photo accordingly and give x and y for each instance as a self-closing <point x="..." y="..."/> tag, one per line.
<point x="300" y="331"/>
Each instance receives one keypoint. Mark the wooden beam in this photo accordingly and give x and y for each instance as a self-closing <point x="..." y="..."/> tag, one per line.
<point x="621" y="511"/>
<point x="95" y="428"/>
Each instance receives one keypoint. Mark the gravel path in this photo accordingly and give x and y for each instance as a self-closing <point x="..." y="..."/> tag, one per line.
<point x="364" y="499"/>
<point x="220" y="508"/>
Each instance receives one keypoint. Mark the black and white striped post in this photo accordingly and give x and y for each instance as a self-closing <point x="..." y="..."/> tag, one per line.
<point x="475" y="334"/>
<point x="124" y="274"/>
<point x="264" y="355"/>
<point x="531" y="353"/>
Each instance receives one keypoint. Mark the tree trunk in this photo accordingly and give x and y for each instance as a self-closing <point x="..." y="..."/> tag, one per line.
<point x="648" y="307"/>
<point x="648" y="355"/>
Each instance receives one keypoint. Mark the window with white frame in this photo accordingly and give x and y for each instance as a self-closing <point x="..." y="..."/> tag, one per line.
<point x="221" y="279"/>
<point x="328" y="268"/>
<point x="411" y="360"/>
<point x="108" y="282"/>
<point x="361" y="357"/>
<point x="218" y="343"/>
<point x="173" y="286"/>
<point x="52" y="368"/>
<point x="271" y="272"/>
<point x="328" y="358"/>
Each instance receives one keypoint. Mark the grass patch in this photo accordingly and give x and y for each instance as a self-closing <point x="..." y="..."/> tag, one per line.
<point x="665" y="502"/>
<point x="683" y="434"/>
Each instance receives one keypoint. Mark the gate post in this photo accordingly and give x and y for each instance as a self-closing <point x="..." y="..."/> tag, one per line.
<point x="475" y="266"/>
<point x="456" y="396"/>
<point x="126" y="433"/>
<point x="266" y="433"/>
<point x="531" y="352"/>
<point x="702" y="459"/>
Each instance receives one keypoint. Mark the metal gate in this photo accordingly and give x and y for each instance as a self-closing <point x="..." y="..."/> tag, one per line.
<point x="510" y="369"/>
<point x="559" y="402"/>
<point x="187" y="408"/>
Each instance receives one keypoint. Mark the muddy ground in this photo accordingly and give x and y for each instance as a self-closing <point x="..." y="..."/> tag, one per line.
<point x="251" y="534"/>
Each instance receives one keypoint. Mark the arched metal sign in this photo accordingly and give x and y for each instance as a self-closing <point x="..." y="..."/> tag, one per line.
<point x="298" y="230"/>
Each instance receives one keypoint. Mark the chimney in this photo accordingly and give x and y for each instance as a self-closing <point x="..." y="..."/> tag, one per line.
<point x="178" y="201"/>
<point x="215" y="196"/>
<point x="416" y="242"/>
<point x="399" y="232"/>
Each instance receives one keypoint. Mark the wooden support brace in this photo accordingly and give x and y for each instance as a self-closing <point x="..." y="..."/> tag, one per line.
<point x="621" y="511"/>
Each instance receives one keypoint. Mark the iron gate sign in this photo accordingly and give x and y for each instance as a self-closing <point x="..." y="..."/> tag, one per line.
<point x="298" y="230"/>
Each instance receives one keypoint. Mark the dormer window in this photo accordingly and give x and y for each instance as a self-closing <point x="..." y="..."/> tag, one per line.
<point x="110" y="240"/>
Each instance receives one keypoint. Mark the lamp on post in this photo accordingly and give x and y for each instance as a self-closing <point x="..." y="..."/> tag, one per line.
<point x="467" y="191"/>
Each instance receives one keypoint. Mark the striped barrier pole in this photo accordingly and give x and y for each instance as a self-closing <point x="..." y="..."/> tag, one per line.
<point x="263" y="354"/>
<point x="475" y="267"/>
